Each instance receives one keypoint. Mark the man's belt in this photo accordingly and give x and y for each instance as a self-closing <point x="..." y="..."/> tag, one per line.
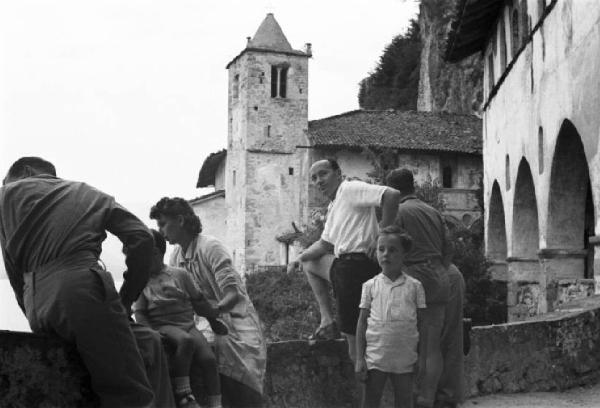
<point x="432" y="261"/>
<point x="354" y="256"/>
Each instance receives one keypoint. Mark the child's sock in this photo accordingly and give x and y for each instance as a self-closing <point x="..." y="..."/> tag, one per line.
<point x="182" y="386"/>
<point x="214" y="401"/>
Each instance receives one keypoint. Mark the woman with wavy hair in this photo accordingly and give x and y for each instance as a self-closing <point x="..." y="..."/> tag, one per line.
<point x="241" y="354"/>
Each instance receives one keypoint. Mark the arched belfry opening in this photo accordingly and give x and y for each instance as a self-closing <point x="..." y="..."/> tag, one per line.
<point x="496" y="230"/>
<point x="525" y="227"/>
<point x="570" y="204"/>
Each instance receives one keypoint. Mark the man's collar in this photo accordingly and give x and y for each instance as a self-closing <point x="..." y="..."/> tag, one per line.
<point x="411" y="196"/>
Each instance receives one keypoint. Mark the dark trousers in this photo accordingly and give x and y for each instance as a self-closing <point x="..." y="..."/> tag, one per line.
<point x="375" y="383"/>
<point x="80" y="304"/>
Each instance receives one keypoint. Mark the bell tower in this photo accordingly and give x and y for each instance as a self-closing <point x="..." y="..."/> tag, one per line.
<point x="268" y="119"/>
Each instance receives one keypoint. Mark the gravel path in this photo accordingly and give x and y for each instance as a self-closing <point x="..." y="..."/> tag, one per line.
<point x="581" y="397"/>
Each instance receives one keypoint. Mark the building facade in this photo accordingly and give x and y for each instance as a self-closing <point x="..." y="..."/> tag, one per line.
<point x="540" y="142"/>
<point x="261" y="181"/>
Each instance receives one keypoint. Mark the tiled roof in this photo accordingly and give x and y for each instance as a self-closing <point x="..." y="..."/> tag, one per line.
<point x="209" y="168"/>
<point x="403" y="130"/>
<point x="206" y="197"/>
<point x="269" y="36"/>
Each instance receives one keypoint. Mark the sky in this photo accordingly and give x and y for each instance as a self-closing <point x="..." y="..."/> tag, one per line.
<point x="130" y="96"/>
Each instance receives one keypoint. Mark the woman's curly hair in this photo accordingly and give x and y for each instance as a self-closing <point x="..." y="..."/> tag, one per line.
<point x="175" y="206"/>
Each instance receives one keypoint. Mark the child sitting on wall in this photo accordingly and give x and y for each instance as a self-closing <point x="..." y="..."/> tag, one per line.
<point x="167" y="304"/>
<point x="387" y="334"/>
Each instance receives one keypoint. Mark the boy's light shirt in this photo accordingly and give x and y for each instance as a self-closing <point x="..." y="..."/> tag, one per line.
<point x="392" y="335"/>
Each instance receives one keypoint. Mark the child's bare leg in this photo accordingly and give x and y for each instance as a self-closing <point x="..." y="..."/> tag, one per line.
<point x="183" y="345"/>
<point x="374" y="388"/>
<point x="403" y="390"/>
<point x="205" y="362"/>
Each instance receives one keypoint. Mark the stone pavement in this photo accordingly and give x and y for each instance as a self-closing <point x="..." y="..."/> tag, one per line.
<point x="579" y="397"/>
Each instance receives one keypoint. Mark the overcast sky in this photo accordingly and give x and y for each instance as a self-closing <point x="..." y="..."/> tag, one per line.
<point x="130" y="96"/>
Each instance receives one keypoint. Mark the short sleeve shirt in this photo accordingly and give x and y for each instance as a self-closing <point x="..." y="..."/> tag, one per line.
<point x="351" y="224"/>
<point x="390" y="301"/>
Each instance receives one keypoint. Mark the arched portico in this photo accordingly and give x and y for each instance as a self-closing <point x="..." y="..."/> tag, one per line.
<point x="567" y="259"/>
<point x="526" y="289"/>
<point x="496" y="248"/>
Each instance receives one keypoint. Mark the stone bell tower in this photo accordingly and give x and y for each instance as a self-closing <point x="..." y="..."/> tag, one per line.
<point x="268" y="119"/>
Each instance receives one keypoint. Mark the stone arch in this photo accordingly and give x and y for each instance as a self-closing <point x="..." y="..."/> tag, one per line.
<point x="570" y="193"/>
<point x="525" y="225"/>
<point x="496" y="230"/>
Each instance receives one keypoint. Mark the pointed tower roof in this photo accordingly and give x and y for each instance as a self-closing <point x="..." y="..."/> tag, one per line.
<point x="270" y="36"/>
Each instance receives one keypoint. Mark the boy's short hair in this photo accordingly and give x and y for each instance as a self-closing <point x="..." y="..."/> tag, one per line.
<point x="405" y="240"/>
<point x="159" y="241"/>
<point x="333" y="163"/>
<point x="402" y="180"/>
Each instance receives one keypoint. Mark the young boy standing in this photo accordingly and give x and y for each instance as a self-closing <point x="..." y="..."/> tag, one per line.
<point x="387" y="334"/>
<point x="167" y="304"/>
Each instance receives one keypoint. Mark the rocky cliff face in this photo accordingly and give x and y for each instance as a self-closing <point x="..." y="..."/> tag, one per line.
<point x="455" y="88"/>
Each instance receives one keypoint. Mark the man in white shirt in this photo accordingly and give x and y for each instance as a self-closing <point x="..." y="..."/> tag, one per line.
<point x="350" y="232"/>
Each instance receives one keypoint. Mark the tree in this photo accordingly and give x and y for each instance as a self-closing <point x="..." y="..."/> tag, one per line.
<point x="394" y="82"/>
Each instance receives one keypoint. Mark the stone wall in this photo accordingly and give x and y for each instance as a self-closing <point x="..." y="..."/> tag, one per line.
<point x="551" y="352"/>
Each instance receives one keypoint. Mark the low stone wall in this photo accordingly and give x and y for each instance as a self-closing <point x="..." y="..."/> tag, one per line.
<point x="551" y="352"/>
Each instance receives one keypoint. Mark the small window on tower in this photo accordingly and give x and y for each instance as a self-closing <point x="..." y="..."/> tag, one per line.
<point x="233" y="177"/>
<point x="236" y="86"/>
<point x="278" y="81"/>
<point x="291" y="171"/>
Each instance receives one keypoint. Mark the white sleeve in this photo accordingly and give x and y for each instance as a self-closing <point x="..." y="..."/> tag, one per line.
<point x="363" y="194"/>
<point x="366" y="297"/>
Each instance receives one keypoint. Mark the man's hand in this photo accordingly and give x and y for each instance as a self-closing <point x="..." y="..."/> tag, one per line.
<point x="294" y="266"/>
<point x="360" y="369"/>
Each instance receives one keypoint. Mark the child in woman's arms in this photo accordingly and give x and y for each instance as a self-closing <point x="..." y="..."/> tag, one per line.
<point x="167" y="304"/>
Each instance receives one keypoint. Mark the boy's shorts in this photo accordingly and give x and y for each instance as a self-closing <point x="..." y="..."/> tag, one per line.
<point x="348" y="273"/>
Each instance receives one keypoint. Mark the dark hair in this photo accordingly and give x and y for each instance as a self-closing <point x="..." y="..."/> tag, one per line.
<point x="159" y="241"/>
<point x="405" y="240"/>
<point x="402" y="180"/>
<point x="173" y="207"/>
<point x="333" y="163"/>
<point x="18" y="168"/>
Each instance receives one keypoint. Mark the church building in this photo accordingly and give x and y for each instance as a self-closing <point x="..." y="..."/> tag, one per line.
<point x="261" y="181"/>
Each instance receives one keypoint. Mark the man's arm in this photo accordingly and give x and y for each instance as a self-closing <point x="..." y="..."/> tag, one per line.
<point x="315" y="251"/>
<point x="140" y="310"/>
<point x="138" y="243"/>
<point x="389" y="206"/>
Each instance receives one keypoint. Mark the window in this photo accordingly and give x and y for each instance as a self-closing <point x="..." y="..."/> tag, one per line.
<point x="447" y="177"/>
<point x="236" y="86"/>
<point x="541" y="8"/>
<point x="268" y="131"/>
<point x="278" y="81"/>
<point x="233" y="177"/>
<point x="526" y="22"/>
<point x="490" y="65"/>
<point x="515" y="41"/>
<point x="507" y="172"/>
<point x="502" y="43"/>
<point x="541" y="149"/>
<point x="291" y="171"/>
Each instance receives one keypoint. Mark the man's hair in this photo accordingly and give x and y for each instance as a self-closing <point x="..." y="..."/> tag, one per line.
<point x="333" y="163"/>
<point x="159" y="241"/>
<point x="402" y="180"/>
<point x="405" y="240"/>
<point x="43" y="166"/>
<point x="173" y="207"/>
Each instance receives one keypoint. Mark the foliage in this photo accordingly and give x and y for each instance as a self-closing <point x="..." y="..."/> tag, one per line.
<point x="394" y="82"/>
<point x="285" y="304"/>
